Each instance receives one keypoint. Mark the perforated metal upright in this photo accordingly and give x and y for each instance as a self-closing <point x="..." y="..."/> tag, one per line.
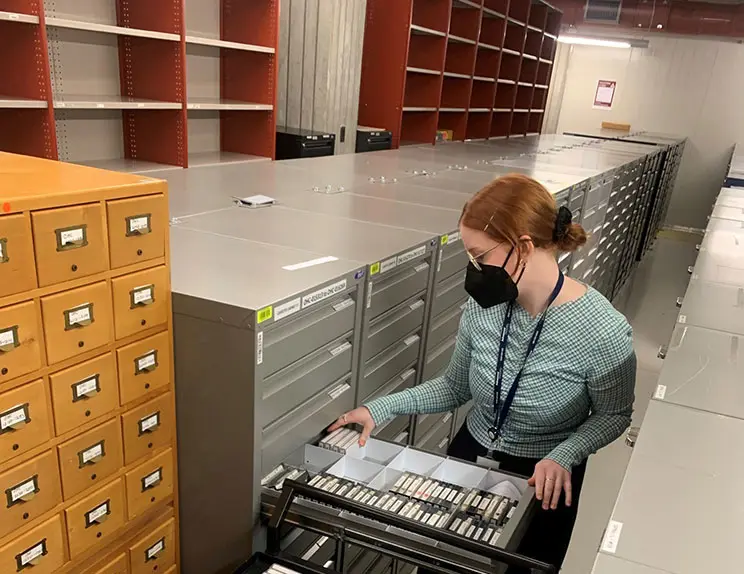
<point x="266" y="349"/>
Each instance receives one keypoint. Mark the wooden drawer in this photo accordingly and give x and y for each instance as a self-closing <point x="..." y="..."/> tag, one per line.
<point x="118" y="565"/>
<point x="136" y="229"/>
<point x="76" y="321"/>
<point x="28" y="490"/>
<point x="69" y="243"/>
<point x="84" y="392"/>
<point x="90" y="458"/>
<point x="39" y="551"/>
<point x="155" y="551"/>
<point x="146" y="428"/>
<point x="20" y="352"/>
<point x="92" y="520"/>
<point x="144" y="367"/>
<point x="149" y="484"/>
<point x="24" y="420"/>
<point x="17" y="270"/>
<point x="140" y="301"/>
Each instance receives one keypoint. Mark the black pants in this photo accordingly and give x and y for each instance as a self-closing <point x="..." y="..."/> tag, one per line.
<point x="549" y="533"/>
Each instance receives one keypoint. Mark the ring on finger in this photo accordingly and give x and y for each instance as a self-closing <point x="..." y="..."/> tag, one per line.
<point x="549" y="479"/>
<point x="345" y="419"/>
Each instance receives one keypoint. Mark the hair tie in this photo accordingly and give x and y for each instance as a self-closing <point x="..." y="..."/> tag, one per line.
<point x="563" y="221"/>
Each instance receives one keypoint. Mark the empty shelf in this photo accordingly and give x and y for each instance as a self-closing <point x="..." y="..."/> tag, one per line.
<point x="484" y="79"/>
<point x="220" y="104"/>
<point x="454" y="110"/>
<point x="479" y="110"/>
<point x="487" y="12"/>
<point x="16" y="17"/>
<point x="544" y="61"/>
<point x="6" y="102"/>
<point x="538" y="111"/>
<point x="505" y="81"/>
<point x="217" y="43"/>
<point x="110" y="29"/>
<point x="128" y="165"/>
<point x="530" y="57"/>
<point x="541" y="86"/>
<point x="524" y="84"/>
<point x="465" y="4"/>
<point x="423" y="71"/>
<point x="488" y="46"/>
<point x="510" y="52"/>
<point x="456" y="75"/>
<point x="533" y="28"/>
<point x="418" y="109"/>
<point x="416" y="29"/>
<point x="502" y="110"/>
<point x="514" y="21"/>
<point x="461" y="40"/>
<point x="77" y="102"/>
<point x="211" y="158"/>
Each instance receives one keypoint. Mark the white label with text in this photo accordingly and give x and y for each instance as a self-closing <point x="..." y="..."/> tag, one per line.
<point x="660" y="392"/>
<point x="338" y="391"/>
<point x="13" y="417"/>
<point x="149" y="422"/>
<point x="85" y="387"/>
<point x="417" y="305"/>
<point x="142" y="295"/>
<point x="155" y="549"/>
<point x="22" y="490"/>
<point x="340" y="349"/>
<point x="323" y="294"/>
<point x="71" y="236"/>
<point x="97" y="513"/>
<point x="80" y="315"/>
<point x="345" y="304"/>
<point x="287" y="309"/>
<point x="612" y="536"/>
<point x="388" y="264"/>
<point x="259" y="348"/>
<point x="146" y="362"/>
<point x="152" y="479"/>
<point x="411" y="255"/>
<point x="96" y="451"/>
<point x="139" y="224"/>
<point x="7" y="338"/>
<point x="32" y="554"/>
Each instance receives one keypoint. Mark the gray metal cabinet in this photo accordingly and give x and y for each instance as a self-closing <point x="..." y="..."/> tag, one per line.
<point x="713" y="306"/>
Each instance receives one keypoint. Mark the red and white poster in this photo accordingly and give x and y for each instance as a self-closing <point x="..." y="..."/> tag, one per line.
<point x="605" y="94"/>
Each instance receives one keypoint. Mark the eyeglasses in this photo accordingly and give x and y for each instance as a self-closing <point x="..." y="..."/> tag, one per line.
<point x="474" y="259"/>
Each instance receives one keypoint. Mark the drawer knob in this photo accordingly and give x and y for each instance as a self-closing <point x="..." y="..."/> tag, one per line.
<point x="81" y="344"/>
<point x="16" y="447"/>
<point x="632" y="436"/>
<point x="690" y="269"/>
<point x="679" y="301"/>
<point x="143" y="322"/>
<point x="139" y="252"/>
<point x="74" y="268"/>
<point x="662" y="354"/>
<point x="4" y="371"/>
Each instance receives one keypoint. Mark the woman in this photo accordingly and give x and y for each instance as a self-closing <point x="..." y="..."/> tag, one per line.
<point x="547" y="361"/>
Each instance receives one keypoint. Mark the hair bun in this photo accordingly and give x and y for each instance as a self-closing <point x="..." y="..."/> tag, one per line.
<point x="563" y="221"/>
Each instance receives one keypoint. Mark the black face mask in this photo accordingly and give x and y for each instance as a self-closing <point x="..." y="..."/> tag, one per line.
<point x="492" y="285"/>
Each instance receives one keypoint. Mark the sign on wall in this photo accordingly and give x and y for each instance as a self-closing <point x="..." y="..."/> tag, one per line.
<point x="605" y="94"/>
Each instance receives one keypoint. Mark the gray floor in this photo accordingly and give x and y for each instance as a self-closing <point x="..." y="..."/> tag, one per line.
<point x="650" y="305"/>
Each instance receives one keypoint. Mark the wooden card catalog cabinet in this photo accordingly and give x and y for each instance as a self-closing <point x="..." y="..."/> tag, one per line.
<point x="87" y="410"/>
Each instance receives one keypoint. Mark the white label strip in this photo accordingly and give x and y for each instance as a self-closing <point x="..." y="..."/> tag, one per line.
<point x="7" y="338"/>
<point x="421" y="267"/>
<point x="259" y="348"/>
<point x="93" y="452"/>
<point x="79" y="316"/>
<point x="682" y="319"/>
<point x="287" y="309"/>
<point x="85" y="387"/>
<point x="13" y="417"/>
<point x="1" y="251"/>
<point x="311" y="263"/>
<point x="411" y="340"/>
<point x="98" y="513"/>
<point x="410" y="255"/>
<point x="341" y="348"/>
<point x="660" y="392"/>
<point x="388" y="264"/>
<point x="453" y="237"/>
<point x="153" y="478"/>
<point x="142" y="295"/>
<point x="139" y="223"/>
<point x="149" y="422"/>
<point x="369" y="295"/>
<point x="612" y="536"/>
<point x="417" y="305"/>
<point x="155" y="549"/>
<point x="71" y="236"/>
<point x="323" y="294"/>
<point x="408" y="374"/>
<point x="338" y="391"/>
<point x="147" y="361"/>
<point x="32" y="554"/>
<point x="22" y="490"/>
<point x="345" y="304"/>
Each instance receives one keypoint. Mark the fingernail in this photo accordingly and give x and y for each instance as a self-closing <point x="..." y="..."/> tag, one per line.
<point x="545" y="506"/>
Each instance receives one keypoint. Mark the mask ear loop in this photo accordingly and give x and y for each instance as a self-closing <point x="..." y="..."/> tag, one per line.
<point x="503" y="266"/>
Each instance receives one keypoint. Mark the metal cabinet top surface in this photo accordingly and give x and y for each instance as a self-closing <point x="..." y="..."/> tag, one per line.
<point x="329" y="236"/>
<point x="704" y="369"/>
<point x="606" y="564"/>
<point x="672" y="504"/>
<point x="246" y="274"/>
<point x="714" y="305"/>
<point x="404" y="192"/>
<point x="716" y="223"/>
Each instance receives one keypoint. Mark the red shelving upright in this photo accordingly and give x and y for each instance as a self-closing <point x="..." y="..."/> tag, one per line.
<point x="26" y="117"/>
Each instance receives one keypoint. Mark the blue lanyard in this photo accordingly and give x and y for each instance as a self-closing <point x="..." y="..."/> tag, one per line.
<point x="502" y="411"/>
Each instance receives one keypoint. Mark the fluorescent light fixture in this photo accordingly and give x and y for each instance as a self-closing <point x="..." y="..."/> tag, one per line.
<point x="584" y="41"/>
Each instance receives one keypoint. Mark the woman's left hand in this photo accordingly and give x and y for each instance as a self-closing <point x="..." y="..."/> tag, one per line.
<point x="549" y="480"/>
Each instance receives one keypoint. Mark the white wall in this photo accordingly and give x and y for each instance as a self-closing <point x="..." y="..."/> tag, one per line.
<point x="686" y="86"/>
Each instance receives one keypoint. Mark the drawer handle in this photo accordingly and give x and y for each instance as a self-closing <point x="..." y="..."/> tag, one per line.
<point x="690" y="269"/>
<point x="443" y="443"/>
<point x="4" y="250"/>
<point x="69" y="238"/>
<point x="697" y="247"/>
<point x="9" y="339"/>
<point x="632" y="437"/>
<point x="662" y="354"/>
<point x="149" y="424"/>
<point x="142" y="296"/>
<point x="98" y="515"/>
<point x="86" y="389"/>
<point x="79" y="317"/>
<point x="23" y="492"/>
<point x="138" y="225"/>
<point x="92" y="455"/>
<point x="679" y="301"/>
<point x="14" y="419"/>
<point x="152" y="480"/>
<point x="147" y="363"/>
<point x="32" y="556"/>
<point x="155" y="550"/>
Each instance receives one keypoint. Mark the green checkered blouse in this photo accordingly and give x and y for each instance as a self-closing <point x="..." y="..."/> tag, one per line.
<point x="576" y="393"/>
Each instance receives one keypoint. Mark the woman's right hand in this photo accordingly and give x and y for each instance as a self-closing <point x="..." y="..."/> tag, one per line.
<point x="360" y="416"/>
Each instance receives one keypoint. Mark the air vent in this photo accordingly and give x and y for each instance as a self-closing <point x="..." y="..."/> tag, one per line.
<point x="604" y="11"/>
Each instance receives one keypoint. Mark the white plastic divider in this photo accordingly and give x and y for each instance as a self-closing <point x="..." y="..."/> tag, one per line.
<point x="313" y="458"/>
<point x="460" y="473"/>
<point x="376" y="451"/>
<point x="415" y="461"/>
<point x="356" y="469"/>
<point x="494" y="478"/>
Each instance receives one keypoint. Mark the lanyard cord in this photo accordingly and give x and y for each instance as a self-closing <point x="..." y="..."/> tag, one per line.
<point x="502" y="411"/>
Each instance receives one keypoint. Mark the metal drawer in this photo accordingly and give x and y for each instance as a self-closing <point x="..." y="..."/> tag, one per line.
<point x="296" y="383"/>
<point x="399" y="382"/>
<point x="433" y="439"/>
<point x="713" y="306"/>
<point x="438" y="358"/>
<point x="291" y="339"/>
<point x="424" y="423"/>
<point x="393" y="288"/>
<point x="444" y="325"/>
<point x="393" y="360"/>
<point x="452" y="259"/>
<point x="393" y="429"/>
<point x="577" y="200"/>
<point x="448" y="293"/>
<point x="281" y="438"/>
<point x="392" y="326"/>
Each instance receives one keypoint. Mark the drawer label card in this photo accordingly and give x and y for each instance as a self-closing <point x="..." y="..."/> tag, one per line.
<point x="287" y="309"/>
<point x="339" y="390"/>
<point x="139" y="225"/>
<point x="86" y="389"/>
<point x="345" y="304"/>
<point x="71" y="237"/>
<point x="417" y="305"/>
<point x="323" y="294"/>
<point x="14" y="418"/>
<point x="660" y="392"/>
<point x="9" y="339"/>
<point x="142" y="296"/>
<point x="612" y="536"/>
<point x="23" y="492"/>
<point x="259" y="348"/>
<point x="146" y="363"/>
<point x="3" y="250"/>
<point x="149" y="423"/>
<point x="411" y="340"/>
<point x="152" y="479"/>
<point x="388" y="264"/>
<point x="92" y="454"/>
<point x="152" y="552"/>
<point x="453" y="238"/>
<point x="31" y="556"/>
<point x="408" y="374"/>
<point x="411" y="255"/>
<point x="345" y="346"/>
<point x="98" y="515"/>
<point x="80" y="316"/>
